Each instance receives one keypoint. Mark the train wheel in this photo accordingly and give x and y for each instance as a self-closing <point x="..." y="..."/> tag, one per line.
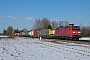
<point x="60" y="38"/>
<point x="77" y="38"/>
<point x="70" y="38"/>
<point x="67" y="38"/>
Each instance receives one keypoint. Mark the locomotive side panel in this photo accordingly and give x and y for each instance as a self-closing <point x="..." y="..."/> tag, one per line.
<point x="62" y="32"/>
<point x="69" y="32"/>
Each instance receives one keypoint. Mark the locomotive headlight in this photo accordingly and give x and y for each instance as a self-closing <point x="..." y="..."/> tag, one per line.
<point x="79" y="32"/>
<point x="73" y="32"/>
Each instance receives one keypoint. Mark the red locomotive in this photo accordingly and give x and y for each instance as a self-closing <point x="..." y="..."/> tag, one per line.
<point x="68" y="32"/>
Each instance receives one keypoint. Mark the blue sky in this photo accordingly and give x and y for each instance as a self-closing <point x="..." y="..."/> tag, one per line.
<point x="22" y="13"/>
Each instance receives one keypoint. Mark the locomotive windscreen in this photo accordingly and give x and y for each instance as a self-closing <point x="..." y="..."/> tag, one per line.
<point x="75" y="28"/>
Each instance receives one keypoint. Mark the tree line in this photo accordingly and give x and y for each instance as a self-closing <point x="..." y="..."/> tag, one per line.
<point x="45" y="23"/>
<point x="9" y="31"/>
<point x="85" y="31"/>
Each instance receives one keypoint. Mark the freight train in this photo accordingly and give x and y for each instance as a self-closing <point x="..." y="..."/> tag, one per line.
<point x="70" y="32"/>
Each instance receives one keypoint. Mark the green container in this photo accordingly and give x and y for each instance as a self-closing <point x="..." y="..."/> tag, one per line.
<point x="47" y="32"/>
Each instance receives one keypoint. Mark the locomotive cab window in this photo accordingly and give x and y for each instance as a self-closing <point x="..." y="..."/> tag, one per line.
<point x="75" y="28"/>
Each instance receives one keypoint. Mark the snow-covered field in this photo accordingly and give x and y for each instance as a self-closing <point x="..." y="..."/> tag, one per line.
<point x="34" y="49"/>
<point x="85" y="38"/>
<point x="2" y="36"/>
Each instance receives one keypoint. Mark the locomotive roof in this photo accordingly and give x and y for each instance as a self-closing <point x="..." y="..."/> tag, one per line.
<point x="66" y="27"/>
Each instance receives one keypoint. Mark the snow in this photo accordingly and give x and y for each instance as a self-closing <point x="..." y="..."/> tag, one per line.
<point x="2" y="36"/>
<point x="34" y="49"/>
<point x="85" y="38"/>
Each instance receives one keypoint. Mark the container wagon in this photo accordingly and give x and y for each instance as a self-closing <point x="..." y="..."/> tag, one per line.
<point x="33" y="33"/>
<point x="36" y="33"/>
<point x="47" y="33"/>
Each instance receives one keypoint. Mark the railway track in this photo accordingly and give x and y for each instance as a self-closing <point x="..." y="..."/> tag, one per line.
<point x="68" y="41"/>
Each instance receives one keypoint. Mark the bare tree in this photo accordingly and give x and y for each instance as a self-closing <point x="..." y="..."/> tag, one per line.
<point x="65" y="23"/>
<point x="41" y="24"/>
<point x="37" y="24"/>
<point x="9" y="30"/>
<point x="45" y="23"/>
<point x="88" y="31"/>
<point x="83" y="31"/>
<point x="80" y="25"/>
<point x="5" y="32"/>
<point x="54" y="24"/>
